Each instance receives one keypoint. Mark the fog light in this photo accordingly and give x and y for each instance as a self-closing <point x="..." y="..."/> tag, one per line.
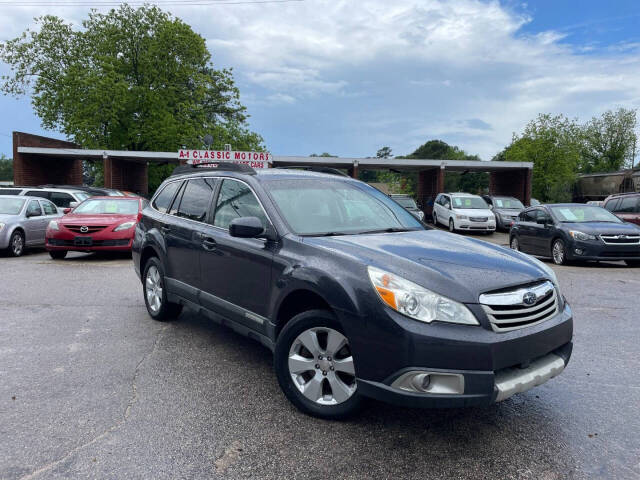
<point x="430" y="382"/>
<point x="421" y="382"/>
<point x="578" y="251"/>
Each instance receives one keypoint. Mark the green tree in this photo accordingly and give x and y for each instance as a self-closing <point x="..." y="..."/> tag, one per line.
<point x="609" y="141"/>
<point x="6" y="169"/>
<point x="129" y="79"/>
<point x="552" y="143"/>
<point x="325" y="154"/>
<point x="384" y="152"/>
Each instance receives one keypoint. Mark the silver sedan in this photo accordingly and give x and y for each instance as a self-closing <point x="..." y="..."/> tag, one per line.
<point x="23" y="222"/>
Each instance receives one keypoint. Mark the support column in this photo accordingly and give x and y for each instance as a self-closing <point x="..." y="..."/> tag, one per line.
<point x="125" y="175"/>
<point x="353" y="171"/>
<point x="430" y="183"/>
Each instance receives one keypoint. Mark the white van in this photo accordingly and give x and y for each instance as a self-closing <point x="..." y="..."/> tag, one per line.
<point x="463" y="212"/>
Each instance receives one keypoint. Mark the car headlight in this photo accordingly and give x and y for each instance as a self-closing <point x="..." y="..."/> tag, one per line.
<point x="417" y="302"/>
<point x="421" y="215"/>
<point x="462" y="217"/>
<point x="124" y="226"/>
<point x="53" y="225"/>
<point x="581" y="235"/>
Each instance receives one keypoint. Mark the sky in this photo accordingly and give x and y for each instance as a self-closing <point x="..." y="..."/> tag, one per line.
<point x="350" y="76"/>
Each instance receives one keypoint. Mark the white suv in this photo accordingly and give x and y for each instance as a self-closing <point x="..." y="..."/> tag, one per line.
<point x="61" y="197"/>
<point x="463" y="211"/>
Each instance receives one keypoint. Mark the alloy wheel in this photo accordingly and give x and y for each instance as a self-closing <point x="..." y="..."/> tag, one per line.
<point x="558" y="252"/>
<point x="515" y="245"/>
<point x="321" y="366"/>
<point x="452" y="227"/>
<point x="17" y="245"/>
<point x="153" y="289"/>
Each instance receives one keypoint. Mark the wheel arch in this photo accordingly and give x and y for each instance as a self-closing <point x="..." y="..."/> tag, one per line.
<point x="148" y="252"/>
<point x="298" y="301"/>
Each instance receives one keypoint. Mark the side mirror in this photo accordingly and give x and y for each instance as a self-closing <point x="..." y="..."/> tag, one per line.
<point x="73" y="204"/>
<point x="66" y="210"/>
<point x="246" y="227"/>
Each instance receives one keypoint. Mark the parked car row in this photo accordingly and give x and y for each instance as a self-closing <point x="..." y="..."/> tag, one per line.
<point x="96" y="224"/>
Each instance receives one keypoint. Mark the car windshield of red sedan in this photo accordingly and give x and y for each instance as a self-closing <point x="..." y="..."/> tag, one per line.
<point x="100" y="206"/>
<point x="10" y="206"/>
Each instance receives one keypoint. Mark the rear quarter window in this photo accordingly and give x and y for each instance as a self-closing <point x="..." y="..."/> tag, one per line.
<point x="163" y="200"/>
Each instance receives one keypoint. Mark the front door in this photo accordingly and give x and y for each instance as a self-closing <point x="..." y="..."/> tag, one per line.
<point x="236" y="272"/>
<point x="35" y="224"/>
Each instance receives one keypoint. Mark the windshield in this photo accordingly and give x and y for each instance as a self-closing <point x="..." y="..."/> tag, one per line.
<point x="11" y="206"/>
<point x="583" y="214"/>
<point x="325" y="207"/>
<point x="469" y="202"/>
<point x="508" y="203"/>
<point x="406" y="202"/>
<point x="108" y="207"/>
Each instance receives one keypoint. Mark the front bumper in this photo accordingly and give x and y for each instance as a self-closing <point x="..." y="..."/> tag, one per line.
<point x="490" y="366"/>
<point x="597" y="250"/>
<point x="64" y="240"/>
<point x="470" y="226"/>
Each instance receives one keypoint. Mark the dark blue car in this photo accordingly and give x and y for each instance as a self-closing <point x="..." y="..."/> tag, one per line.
<point x="575" y="231"/>
<point x="354" y="296"/>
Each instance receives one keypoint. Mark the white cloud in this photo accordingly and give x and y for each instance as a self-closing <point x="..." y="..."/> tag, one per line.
<point x="401" y="72"/>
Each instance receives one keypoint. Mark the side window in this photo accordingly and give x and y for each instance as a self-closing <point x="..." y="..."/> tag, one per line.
<point x="439" y="200"/>
<point x="627" y="204"/>
<point x="543" y="215"/>
<point x="163" y="200"/>
<point x="48" y="207"/>
<point x="196" y="199"/>
<point x="37" y="193"/>
<point x="530" y="216"/>
<point x="61" y="199"/>
<point x="611" y="204"/>
<point x="234" y="201"/>
<point x="33" y="209"/>
<point x="446" y="203"/>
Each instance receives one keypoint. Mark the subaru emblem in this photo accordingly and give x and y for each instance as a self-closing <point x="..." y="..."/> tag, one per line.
<point x="529" y="298"/>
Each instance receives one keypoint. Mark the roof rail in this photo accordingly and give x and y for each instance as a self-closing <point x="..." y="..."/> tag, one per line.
<point x="329" y="170"/>
<point x="221" y="166"/>
<point x="623" y="193"/>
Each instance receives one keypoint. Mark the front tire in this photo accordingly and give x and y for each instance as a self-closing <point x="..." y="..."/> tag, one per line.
<point x="315" y="366"/>
<point x="514" y="243"/>
<point x="16" y="244"/>
<point x="559" y="252"/>
<point x="452" y="226"/>
<point x="57" y="254"/>
<point x="155" y="293"/>
<point x="632" y="263"/>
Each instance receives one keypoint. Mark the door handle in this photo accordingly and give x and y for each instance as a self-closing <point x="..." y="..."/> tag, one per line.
<point x="208" y="243"/>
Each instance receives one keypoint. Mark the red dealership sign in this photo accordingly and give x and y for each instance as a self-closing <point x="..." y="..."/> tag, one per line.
<point x="253" y="159"/>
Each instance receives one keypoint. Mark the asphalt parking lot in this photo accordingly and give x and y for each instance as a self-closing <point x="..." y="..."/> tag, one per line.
<point x="91" y="387"/>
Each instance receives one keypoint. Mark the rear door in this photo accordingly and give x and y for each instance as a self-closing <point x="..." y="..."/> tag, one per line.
<point x="526" y="231"/>
<point x="183" y="235"/>
<point x="236" y="272"/>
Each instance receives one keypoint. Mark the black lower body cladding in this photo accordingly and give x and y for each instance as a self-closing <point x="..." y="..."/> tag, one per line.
<point x="477" y="356"/>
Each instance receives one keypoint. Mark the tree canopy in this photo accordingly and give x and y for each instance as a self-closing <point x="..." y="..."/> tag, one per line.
<point x="129" y="79"/>
<point x="6" y="168"/>
<point x="609" y="141"/>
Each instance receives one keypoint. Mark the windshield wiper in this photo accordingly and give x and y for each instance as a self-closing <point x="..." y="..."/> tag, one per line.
<point x="325" y="234"/>
<point x="388" y="230"/>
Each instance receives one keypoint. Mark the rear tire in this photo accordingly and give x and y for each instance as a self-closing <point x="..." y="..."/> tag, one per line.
<point x="322" y="382"/>
<point x="435" y="218"/>
<point x="58" y="254"/>
<point x="155" y="293"/>
<point x="452" y="226"/>
<point x="16" y="244"/>
<point x="632" y="263"/>
<point x="514" y="243"/>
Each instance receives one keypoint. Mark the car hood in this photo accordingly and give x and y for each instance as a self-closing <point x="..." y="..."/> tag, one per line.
<point x="473" y="212"/>
<point x="74" y="219"/>
<point x="597" y="228"/>
<point x="457" y="267"/>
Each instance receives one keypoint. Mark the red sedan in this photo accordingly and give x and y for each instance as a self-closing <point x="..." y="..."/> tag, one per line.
<point x="97" y="224"/>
